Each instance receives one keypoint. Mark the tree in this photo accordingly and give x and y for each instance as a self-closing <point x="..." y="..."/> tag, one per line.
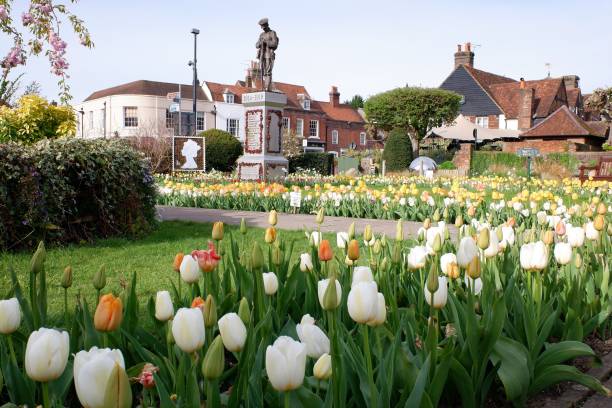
<point x="416" y="110"/>
<point x="222" y="150"/>
<point x="356" y="102"/>
<point x="38" y="33"/>
<point x="292" y="145"/>
<point x="8" y="88"/>
<point x="33" y="118"/>
<point x="601" y="102"/>
<point x="397" y="153"/>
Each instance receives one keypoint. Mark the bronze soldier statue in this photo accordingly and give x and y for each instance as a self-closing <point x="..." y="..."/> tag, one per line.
<point x="266" y="45"/>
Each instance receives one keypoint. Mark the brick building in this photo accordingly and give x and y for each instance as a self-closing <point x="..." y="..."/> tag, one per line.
<point x="498" y="102"/>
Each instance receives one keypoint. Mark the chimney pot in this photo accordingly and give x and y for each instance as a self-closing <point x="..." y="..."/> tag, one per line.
<point x="464" y="55"/>
<point x="334" y="96"/>
<point x="522" y="83"/>
<point x="458" y="47"/>
<point x="468" y="46"/>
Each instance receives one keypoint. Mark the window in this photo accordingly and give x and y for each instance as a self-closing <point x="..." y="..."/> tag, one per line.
<point x="482" y="121"/>
<point x="306" y="104"/>
<point x="299" y="127"/>
<point x="90" y="119"/>
<point x="200" y="121"/>
<point x="169" y="119"/>
<point x="334" y="137"/>
<point x="286" y="124"/>
<point x="313" y="130"/>
<point x="229" y="98"/>
<point x="232" y="127"/>
<point x="130" y="116"/>
<point x="362" y="138"/>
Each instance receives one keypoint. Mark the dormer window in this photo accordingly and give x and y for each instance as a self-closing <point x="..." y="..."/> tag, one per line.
<point x="228" y="97"/>
<point x="306" y="104"/>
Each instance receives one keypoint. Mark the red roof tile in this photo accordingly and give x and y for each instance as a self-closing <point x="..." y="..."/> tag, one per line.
<point x="507" y="96"/>
<point x="144" y="87"/>
<point x="562" y="122"/>
<point x="341" y="112"/>
<point x="217" y="90"/>
<point x="486" y="79"/>
<point x="573" y="97"/>
<point x="598" y="128"/>
<point x="292" y="91"/>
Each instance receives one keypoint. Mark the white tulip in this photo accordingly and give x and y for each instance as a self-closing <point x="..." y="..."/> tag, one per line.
<point x="322" y="369"/>
<point x="92" y="371"/>
<point x="381" y="312"/>
<point x="467" y="251"/>
<point x="563" y="253"/>
<point x="534" y="256"/>
<point x="362" y="274"/>
<point x="431" y="235"/>
<point x="188" y="329"/>
<point x="190" y="270"/>
<point x="306" y="263"/>
<point x="446" y="262"/>
<point x="314" y="238"/>
<point x="590" y="231"/>
<point x="164" y="310"/>
<point x="10" y="316"/>
<point x="342" y="239"/>
<point x="507" y="236"/>
<point x="46" y="354"/>
<point x="417" y="257"/>
<point x="362" y="302"/>
<point x="233" y="332"/>
<point x="322" y="287"/>
<point x="316" y="341"/>
<point x="541" y="217"/>
<point x="370" y="242"/>
<point x="270" y="282"/>
<point x="286" y="363"/>
<point x="493" y="248"/>
<point x="440" y="296"/>
<point x="575" y="236"/>
<point x="474" y="284"/>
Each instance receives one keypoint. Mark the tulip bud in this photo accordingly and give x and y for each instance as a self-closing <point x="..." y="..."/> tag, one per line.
<point x="243" y="227"/>
<point x="367" y="233"/>
<point x="178" y="259"/>
<point x="217" y="231"/>
<point x="256" y="257"/>
<point x="270" y="236"/>
<point x="164" y="309"/>
<point x="118" y="392"/>
<point x="459" y="221"/>
<point x="399" y="231"/>
<point x="322" y="369"/>
<point x="99" y="279"/>
<point x="320" y="216"/>
<point x="270" y="283"/>
<point x="396" y="256"/>
<point x="209" y="310"/>
<point x="377" y="247"/>
<point x="473" y="268"/>
<point x="577" y="261"/>
<point x="471" y="211"/>
<point x="330" y="298"/>
<point x="67" y="277"/>
<point x="373" y="265"/>
<point x="169" y="337"/>
<point x="46" y="355"/>
<point x="277" y="255"/>
<point x="38" y="259"/>
<point x="351" y="231"/>
<point x="243" y="311"/>
<point x="383" y="241"/>
<point x="214" y="360"/>
<point x="548" y="237"/>
<point x="609" y="230"/>
<point x="436" y="215"/>
<point x="10" y="317"/>
<point x="588" y="213"/>
<point x="437" y="243"/>
<point x="599" y="222"/>
<point x="601" y="208"/>
<point x="384" y="264"/>
<point x="500" y="233"/>
<point x="427" y="223"/>
<point x="432" y="279"/>
<point x="272" y="218"/>
<point x="353" y="250"/>
<point x="325" y="251"/>
<point x="109" y="313"/>
<point x="483" y="239"/>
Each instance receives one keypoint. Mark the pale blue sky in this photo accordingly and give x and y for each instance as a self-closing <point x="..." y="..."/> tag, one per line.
<point x="361" y="46"/>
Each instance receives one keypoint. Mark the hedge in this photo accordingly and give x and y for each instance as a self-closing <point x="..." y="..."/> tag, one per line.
<point x="70" y="190"/>
<point x="322" y="163"/>
<point x="222" y="150"/>
<point x="482" y="161"/>
<point x="398" y="151"/>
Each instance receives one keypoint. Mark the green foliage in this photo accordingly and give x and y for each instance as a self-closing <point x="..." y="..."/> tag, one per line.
<point x="222" y="150"/>
<point x="398" y="151"/>
<point x="356" y="102"/>
<point x="417" y="110"/>
<point x="322" y="163"/>
<point x="447" y="165"/>
<point x="72" y="190"/>
<point x="607" y="147"/>
<point x="34" y="119"/>
<point x="439" y="155"/>
<point x="483" y="161"/>
<point x="567" y="160"/>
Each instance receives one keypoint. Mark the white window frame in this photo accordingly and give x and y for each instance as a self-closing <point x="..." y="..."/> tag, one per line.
<point x="133" y="120"/>
<point x="482" y="121"/>
<point x="169" y="119"/>
<point x="306" y="104"/>
<point x="316" y="128"/>
<point x="229" y="98"/>
<point x="363" y="138"/>
<point x="228" y="126"/>
<point x="286" y="124"/>
<point x="334" y="137"/>
<point x="299" y="127"/>
<point x="200" y="119"/>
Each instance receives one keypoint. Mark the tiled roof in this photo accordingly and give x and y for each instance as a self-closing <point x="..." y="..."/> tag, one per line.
<point x="144" y="87"/>
<point x="508" y="96"/>
<point x="486" y="79"/>
<point x="573" y="97"/>
<point x="341" y="112"/>
<point x="292" y="92"/>
<point x="598" y="128"/>
<point x="562" y="122"/>
<point x="217" y="90"/>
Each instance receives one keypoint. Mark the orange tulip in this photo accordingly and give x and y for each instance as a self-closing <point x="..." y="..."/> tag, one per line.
<point x="511" y="221"/>
<point x="325" y="251"/>
<point x="197" y="302"/>
<point x="109" y="313"/>
<point x="353" y="250"/>
<point x="177" y="261"/>
<point x="270" y="235"/>
<point x="560" y="228"/>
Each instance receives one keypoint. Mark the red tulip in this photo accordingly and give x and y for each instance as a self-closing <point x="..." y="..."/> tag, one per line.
<point x="207" y="259"/>
<point x="325" y="251"/>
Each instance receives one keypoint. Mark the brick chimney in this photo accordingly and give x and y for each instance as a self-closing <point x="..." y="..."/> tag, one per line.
<point x="253" y="75"/>
<point x="525" y="114"/>
<point x="571" y="81"/>
<point x="334" y="96"/>
<point x="464" y="55"/>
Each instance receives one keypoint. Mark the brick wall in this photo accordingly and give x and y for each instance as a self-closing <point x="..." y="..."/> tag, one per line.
<point x="307" y="116"/>
<point x="493" y="122"/>
<point x="347" y="133"/>
<point x="545" y="146"/>
<point x="463" y="157"/>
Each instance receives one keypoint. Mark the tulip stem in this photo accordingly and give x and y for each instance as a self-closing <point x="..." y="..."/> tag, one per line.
<point x="368" y="356"/>
<point x="180" y="299"/>
<point x="66" y="307"/>
<point x="46" y="400"/>
<point x="12" y="349"/>
<point x="335" y="353"/>
<point x="287" y="398"/>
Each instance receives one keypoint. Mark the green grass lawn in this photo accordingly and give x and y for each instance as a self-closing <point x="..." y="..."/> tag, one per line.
<point x="151" y="258"/>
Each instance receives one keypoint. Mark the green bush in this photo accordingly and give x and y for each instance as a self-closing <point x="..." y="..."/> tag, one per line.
<point x="567" y="160"/>
<point x="72" y="190"/>
<point x="222" y="150"/>
<point x="495" y="162"/>
<point x="322" y="163"/>
<point x="447" y="165"/>
<point x="398" y="151"/>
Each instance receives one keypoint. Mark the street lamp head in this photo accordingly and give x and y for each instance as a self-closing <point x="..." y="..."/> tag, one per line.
<point x="190" y="63"/>
<point x="195" y="31"/>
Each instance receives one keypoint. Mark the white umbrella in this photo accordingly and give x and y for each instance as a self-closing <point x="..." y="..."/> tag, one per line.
<point x="422" y="163"/>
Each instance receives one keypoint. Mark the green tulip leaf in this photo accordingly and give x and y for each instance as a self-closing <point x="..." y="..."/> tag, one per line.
<point x="558" y="373"/>
<point x="558" y="353"/>
<point x="513" y="371"/>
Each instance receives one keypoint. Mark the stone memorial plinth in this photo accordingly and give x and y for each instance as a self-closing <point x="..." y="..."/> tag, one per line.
<point x="263" y="159"/>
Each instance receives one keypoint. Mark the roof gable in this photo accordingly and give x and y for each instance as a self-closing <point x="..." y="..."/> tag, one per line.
<point x="548" y="96"/>
<point x="342" y="112"/>
<point x="562" y="122"/>
<point x="477" y="101"/>
<point x="217" y="90"/>
<point x="150" y="88"/>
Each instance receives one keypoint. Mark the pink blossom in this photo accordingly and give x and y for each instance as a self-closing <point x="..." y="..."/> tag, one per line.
<point x="45" y="8"/>
<point x="27" y="19"/>
<point x="3" y="13"/>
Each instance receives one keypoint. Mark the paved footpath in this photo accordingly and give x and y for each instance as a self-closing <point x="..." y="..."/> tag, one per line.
<point x="288" y="221"/>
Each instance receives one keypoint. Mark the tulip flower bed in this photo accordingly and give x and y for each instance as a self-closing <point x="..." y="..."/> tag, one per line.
<point x="358" y="321"/>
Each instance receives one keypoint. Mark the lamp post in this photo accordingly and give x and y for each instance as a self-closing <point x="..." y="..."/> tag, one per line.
<point x="82" y="112"/>
<point x="194" y="64"/>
